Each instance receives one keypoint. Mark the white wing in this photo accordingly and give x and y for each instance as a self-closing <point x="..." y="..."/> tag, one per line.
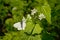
<point x="18" y="25"/>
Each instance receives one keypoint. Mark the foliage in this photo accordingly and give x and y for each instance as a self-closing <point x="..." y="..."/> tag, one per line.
<point x="45" y="29"/>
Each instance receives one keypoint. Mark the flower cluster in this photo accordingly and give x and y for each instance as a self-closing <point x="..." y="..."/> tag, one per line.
<point x="41" y="16"/>
<point x="33" y="11"/>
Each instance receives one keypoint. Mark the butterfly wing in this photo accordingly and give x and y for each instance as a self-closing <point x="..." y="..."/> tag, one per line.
<point x="18" y="25"/>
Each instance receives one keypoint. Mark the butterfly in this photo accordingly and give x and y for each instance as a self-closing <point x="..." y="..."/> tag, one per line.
<point x="20" y="25"/>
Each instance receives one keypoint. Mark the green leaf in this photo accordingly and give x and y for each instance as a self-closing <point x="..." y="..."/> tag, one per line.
<point x="9" y="24"/>
<point x="45" y="9"/>
<point x="37" y="29"/>
<point x="47" y="12"/>
<point x="29" y="27"/>
<point x="38" y="37"/>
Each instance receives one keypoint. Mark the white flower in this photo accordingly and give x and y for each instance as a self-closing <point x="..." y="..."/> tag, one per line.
<point x="41" y="16"/>
<point x="33" y="11"/>
<point x="14" y="8"/>
<point x="20" y="25"/>
<point x="24" y="19"/>
<point x="28" y="16"/>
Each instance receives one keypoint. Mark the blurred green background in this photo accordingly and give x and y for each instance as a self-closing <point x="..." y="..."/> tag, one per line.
<point x="12" y="11"/>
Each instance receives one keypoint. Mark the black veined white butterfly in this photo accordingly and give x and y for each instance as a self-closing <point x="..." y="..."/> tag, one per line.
<point x="20" y="25"/>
